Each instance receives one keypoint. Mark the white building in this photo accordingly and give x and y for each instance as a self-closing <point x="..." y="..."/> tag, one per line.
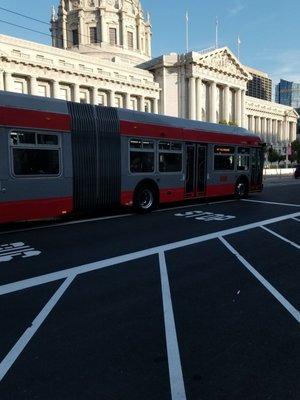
<point x="101" y="54"/>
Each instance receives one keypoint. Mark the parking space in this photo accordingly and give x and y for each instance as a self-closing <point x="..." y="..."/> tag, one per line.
<point x="198" y="301"/>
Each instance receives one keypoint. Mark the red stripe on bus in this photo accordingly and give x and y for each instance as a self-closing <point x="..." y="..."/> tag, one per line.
<point x="171" y="195"/>
<point x="127" y="198"/>
<point x="129" y="128"/>
<point x="220" y="190"/>
<point x="20" y="117"/>
<point x="26" y="210"/>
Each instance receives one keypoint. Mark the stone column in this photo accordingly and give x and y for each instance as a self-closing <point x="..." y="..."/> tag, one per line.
<point x="274" y="131"/>
<point x="213" y="102"/>
<point x="33" y="86"/>
<point x="123" y="40"/>
<point x="250" y="124"/>
<point x="285" y="133"/>
<point x="94" y="96"/>
<point x="127" y="101"/>
<point x="243" y="109"/>
<point x="293" y="131"/>
<point x="155" y="106"/>
<point x="112" y="100"/>
<point x="1" y="79"/>
<point x="238" y="107"/>
<point x="103" y="26"/>
<point x="258" y="125"/>
<point x="148" y="42"/>
<point x="82" y="36"/>
<point x="138" y="34"/>
<point x="142" y="103"/>
<point x="76" y="93"/>
<point x="226" y="104"/>
<point x="268" y="131"/>
<point x="280" y="139"/>
<point x="55" y="89"/>
<point x="8" y="82"/>
<point x="65" y="33"/>
<point x="263" y="129"/>
<point x="192" y="97"/>
<point x="199" y="99"/>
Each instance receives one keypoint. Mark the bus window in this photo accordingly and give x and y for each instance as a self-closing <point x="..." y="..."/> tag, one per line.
<point x="170" y="157"/>
<point x="141" y="156"/>
<point x="224" y="158"/>
<point x="35" y="154"/>
<point x="243" y="159"/>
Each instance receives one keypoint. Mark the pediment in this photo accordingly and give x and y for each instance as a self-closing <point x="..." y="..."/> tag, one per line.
<point x="223" y="60"/>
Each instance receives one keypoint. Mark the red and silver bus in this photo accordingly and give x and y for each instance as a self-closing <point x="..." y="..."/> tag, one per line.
<point x="59" y="157"/>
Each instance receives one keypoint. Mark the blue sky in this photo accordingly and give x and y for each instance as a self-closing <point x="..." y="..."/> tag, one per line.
<point x="269" y="29"/>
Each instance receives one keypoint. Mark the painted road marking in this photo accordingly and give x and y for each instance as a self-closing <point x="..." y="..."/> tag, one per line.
<point x="14" y="353"/>
<point x="271" y="202"/>
<point x="175" y="369"/>
<point x="83" y="269"/>
<point x="195" y="205"/>
<point x="288" y="306"/>
<point x="296" y="219"/>
<point x="9" y="251"/>
<point x="55" y="225"/>
<point x="281" y="237"/>
<point x="204" y="216"/>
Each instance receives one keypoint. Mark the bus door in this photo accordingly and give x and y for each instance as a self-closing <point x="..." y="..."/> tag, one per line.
<point x="195" y="183"/>
<point x="4" y="168"/>
<point x="256" y="168"/>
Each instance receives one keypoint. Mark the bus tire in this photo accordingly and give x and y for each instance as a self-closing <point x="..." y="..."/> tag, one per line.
<point x="241" y="188"/>
<point x="145" y="198"/>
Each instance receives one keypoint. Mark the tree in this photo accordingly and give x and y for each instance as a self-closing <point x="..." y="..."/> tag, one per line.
<point x="296" y="150"/>
<point x="273" y="155"/>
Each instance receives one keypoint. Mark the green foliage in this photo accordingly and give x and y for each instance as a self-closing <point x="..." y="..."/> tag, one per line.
<point x="273" y="155"/>
<point x="223" y="122"/>
<point x="232" y="123"/>
<point x="296" y="150"/>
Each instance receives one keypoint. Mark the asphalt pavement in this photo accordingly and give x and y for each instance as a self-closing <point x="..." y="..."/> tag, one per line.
<point x="197" y="302"/>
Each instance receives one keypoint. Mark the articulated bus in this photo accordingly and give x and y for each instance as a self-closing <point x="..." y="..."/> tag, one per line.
<point x="59" y="158"/>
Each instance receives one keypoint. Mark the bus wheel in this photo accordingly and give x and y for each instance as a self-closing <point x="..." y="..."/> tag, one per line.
<point x="145" y="199"/>
<point x="241" y="189"/>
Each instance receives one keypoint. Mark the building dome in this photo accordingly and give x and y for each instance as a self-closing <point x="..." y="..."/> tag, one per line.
<point x="104" y="28"/>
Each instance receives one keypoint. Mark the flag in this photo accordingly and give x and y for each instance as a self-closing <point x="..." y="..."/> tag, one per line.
<point x="187" y="16"/>
<point x="239" y="40"/>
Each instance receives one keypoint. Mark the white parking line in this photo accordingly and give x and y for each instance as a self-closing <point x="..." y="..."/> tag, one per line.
<point x="296" y="219"/>
<point x="288" y="306"/>
<point x="271" y="202"/>
<point x="14" y="353"/>
<point x="84" y="221"/>
<point x="83" y="269"/>
<point x="196" y="205"/>
<point x="175" y="369"/>
<point x="55" y="225"/>
<point x="281" y="237"/>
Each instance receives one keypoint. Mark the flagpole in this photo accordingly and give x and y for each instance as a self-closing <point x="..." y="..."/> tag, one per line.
<point x="239" y="45"/>
<point x="217" y="32"/>
<point x="187" y="31"/>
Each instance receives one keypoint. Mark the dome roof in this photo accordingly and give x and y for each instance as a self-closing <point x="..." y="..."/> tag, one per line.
<point x="108" y="28"/>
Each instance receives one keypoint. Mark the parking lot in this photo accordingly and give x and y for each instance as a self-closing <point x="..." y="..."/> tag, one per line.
<point x="193" y="302"/>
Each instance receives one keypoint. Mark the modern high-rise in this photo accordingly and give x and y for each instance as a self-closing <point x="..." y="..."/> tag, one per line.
<point x="260" y="86"/>
<point x="288" y="93"/>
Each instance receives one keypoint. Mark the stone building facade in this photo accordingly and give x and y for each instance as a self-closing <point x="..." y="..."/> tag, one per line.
<point x="101" y="54"/>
